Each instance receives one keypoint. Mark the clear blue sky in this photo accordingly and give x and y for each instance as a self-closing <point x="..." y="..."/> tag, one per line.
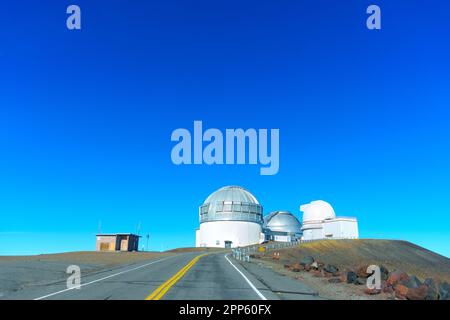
<point x="86" y="116"/>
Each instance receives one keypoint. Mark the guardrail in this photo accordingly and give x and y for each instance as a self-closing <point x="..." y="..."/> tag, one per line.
<point x="243" y="253"/>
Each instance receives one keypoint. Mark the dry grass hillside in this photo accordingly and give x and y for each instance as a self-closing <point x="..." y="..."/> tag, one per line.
<point x="89" y="257"/>
<point x="400" y="255"/>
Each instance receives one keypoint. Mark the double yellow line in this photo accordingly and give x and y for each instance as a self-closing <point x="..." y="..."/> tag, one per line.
<point x="162" y="289"/>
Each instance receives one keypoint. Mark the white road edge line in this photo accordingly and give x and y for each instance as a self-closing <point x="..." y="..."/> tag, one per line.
<point x="101" y="279"/>
<point x="246" y="279"/>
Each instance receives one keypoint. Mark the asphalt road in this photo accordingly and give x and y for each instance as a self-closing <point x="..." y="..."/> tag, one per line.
<point x="187" y="276"/>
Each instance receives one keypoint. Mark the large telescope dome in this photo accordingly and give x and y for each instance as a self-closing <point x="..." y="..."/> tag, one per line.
<point x="231" y="203"/>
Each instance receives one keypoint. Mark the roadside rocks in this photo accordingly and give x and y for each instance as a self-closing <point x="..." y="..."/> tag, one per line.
<point x="331" y="269"/>
<point x="351" y="277"/>
<point x="419" y="293"/>
<point x="401" y="291"/>
<point x="396" y="277"/>
<point x="411" y="282"/>
<point x="396" y="284"/>
<point x="372" y="291"/>
<point x="444" y="291"/>
<point x="307" y="261"/>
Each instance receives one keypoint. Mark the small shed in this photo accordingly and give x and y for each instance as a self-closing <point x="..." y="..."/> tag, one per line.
<point x="117" y="242"/>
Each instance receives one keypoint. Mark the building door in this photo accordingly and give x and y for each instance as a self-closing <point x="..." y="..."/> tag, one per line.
<point x="124" y="244"/>
<point x="228" y="244"/>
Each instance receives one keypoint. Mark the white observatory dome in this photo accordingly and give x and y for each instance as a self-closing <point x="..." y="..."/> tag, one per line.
<point x="317" y="211"/>
<point x="282" y="221"/>
<point x="231" y="203"/>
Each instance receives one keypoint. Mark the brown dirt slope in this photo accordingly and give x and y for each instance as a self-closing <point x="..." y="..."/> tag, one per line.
<point x="393" y="254"/>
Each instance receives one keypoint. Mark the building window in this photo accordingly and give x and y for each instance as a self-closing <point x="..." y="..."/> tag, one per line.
<point x="217" y="242"/>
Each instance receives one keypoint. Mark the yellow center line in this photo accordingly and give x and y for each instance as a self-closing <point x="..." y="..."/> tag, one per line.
<point x="162" y="289"/>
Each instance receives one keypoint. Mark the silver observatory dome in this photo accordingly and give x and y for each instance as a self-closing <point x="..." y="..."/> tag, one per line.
<point x="282" y="221"/>
<point x="231" y="203"/>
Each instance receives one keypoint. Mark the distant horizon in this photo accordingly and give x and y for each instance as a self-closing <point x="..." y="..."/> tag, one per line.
<point x="185" y="247"/>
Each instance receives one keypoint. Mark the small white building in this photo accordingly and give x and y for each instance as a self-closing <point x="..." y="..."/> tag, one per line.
<point x="320" y="222"/>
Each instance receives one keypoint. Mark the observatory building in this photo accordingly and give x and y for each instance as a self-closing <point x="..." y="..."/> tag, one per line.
<point x="230" y="217"/>
<point x="320" y="222"/>
<point x="282" y="226"/>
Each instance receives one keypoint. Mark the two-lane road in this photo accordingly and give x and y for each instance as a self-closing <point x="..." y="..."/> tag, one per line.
<point x="190" y="276"/>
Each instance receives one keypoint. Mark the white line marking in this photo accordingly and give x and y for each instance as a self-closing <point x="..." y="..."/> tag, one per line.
<point x="98" y="280"/>
<point x="246" y="279"/>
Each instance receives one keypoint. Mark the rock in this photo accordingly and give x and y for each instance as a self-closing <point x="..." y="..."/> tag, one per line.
<point x="296" y="267"/>
<point x="314" y="265"/>
<point x="432" y="293"/>
<point x="351" y="277"/>
<point x="276" y="256"/>
<point x="307" y="260"/>
<point x="388" y="289"/>
<point x="327" y="274"/>
<point x="395" y="277"/>
<point x="401" y="291"/>
<point x="362" y="271"/>
<point x="444" y="291"/>
<point x="384" y="273"/>
<point x="286" y="266"/>
<point x="331" y="269"/>
<point x="411" y="282"/>
<point x="419" y="293"/>
<point x="360" y="281"/>
<point x="334" y="280"/>
<point x="372" y="291"/>
<point x="307" y="267"/>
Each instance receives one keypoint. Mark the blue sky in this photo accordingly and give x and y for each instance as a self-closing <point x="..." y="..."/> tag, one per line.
<point x="86" y="116"/>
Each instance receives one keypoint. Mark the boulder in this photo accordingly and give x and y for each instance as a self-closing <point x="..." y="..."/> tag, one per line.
<point x="384" y="273"/>
<point x="401" y="291"/>
<point x="395" y="277"/>
<point x="351" y="277"/>
<point x="331" y="269"/>
<point x="388" y="289"/>
<point x="372" y="291"/>
<point x="362" y="271"/>
<point x="296" y="267"/>
<point x="411" y="282"/>
<point x="432" y="292"/>
<point x="334" y="280"/>
<point x="419" y="293"/>
<point x="307" y="260"/>
<point x="444" y="291"/>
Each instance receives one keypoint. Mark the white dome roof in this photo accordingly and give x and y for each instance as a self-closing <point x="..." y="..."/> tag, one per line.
<point x="231" y="194"/>
<point x="231" y="203"/>
<point x="282" y="221"/>
<point x="317" y="211"/>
